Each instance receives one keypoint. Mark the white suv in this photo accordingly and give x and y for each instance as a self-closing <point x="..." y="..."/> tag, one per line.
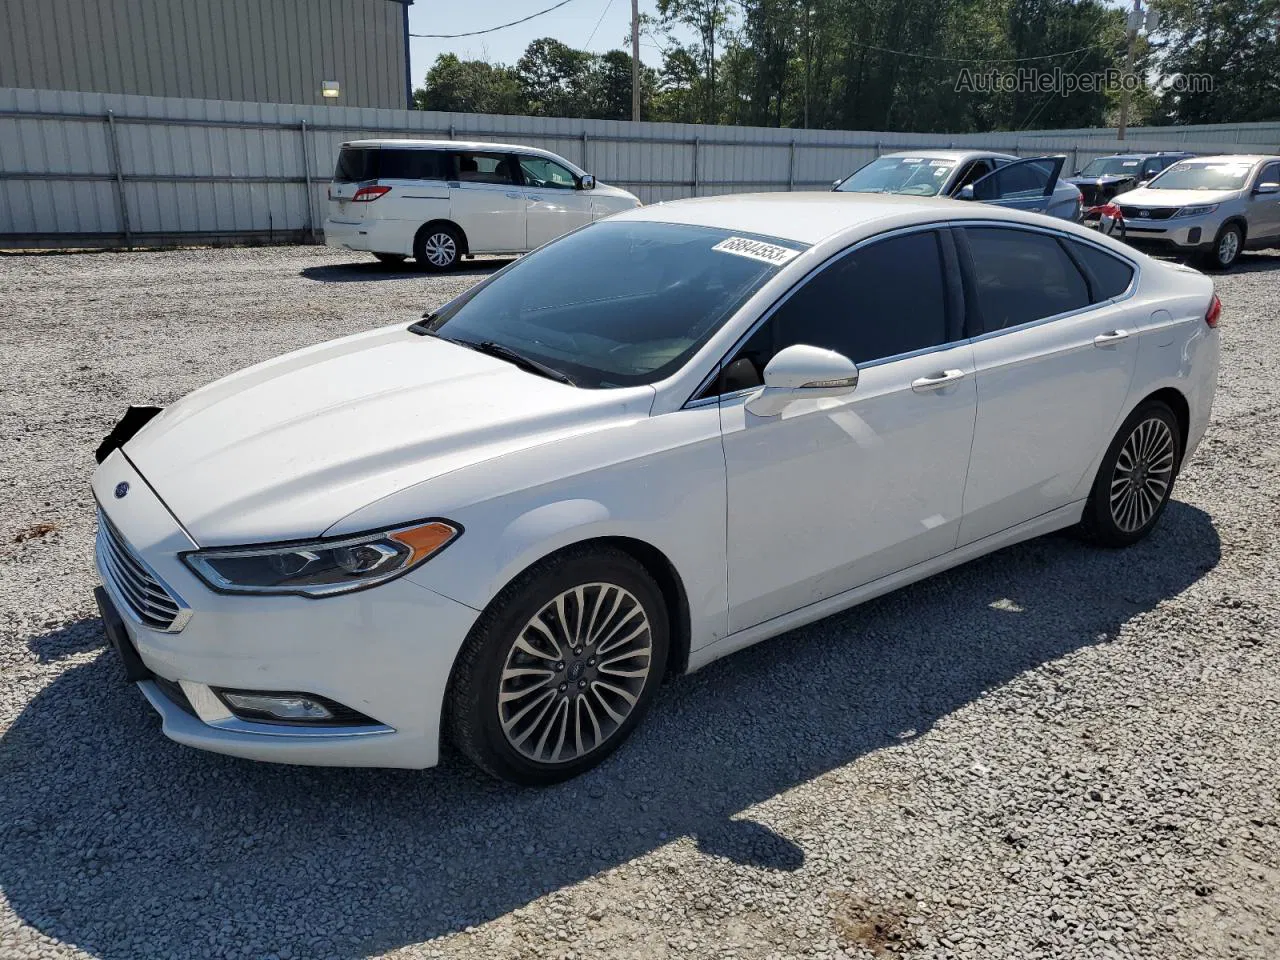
<point x="441" y="200"/>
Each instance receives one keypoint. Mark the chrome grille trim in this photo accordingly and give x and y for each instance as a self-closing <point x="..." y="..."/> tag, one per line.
<point x="137" y="589"/>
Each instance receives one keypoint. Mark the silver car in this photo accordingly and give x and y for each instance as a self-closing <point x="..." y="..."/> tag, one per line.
<point x="1032" y="184"/>
<point x="1209" y="208"/>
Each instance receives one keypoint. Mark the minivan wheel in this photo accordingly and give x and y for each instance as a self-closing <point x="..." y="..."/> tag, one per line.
<point x="391" y="257"/>
<point x="560" y="667"/>
<point x="1226" y="248"/>
<point x="437" y="248"/>
<point x="1135" y="479"/>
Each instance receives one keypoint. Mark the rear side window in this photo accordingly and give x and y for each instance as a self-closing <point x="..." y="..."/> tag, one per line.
<point x="1111" y="275"/>
<point x="484" y="168"/>
<point x="413" y="165"/>
<point x="1020" y="276"/>
<point x="879" y="301"/>
<point x="356" y="165"/>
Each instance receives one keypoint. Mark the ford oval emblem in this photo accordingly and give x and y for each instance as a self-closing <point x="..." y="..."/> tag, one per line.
<point x="121" y="489"/>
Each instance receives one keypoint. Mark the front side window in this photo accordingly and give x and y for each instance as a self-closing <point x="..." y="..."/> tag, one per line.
<point x="484" y="168"/>
<point x="1020" y="276"/>
<point x="912" y="176"/>
<point x="1270" y="174"/>
<point x="617" y="303"/>
<point x="1016" y="181"/>
<point x="879" y="301"/>
<point x="543" y="173"/>
<point x="1203" y="175"/>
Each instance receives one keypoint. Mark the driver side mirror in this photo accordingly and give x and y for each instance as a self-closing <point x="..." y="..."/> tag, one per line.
<point x="588" y="182"/>
<point x="1267" y="188"/>
<point x="965" y="192"/>
<point x="799" y="372"/>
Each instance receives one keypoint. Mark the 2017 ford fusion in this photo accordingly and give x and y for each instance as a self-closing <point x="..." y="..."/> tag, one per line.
<point x="653" y="442"/>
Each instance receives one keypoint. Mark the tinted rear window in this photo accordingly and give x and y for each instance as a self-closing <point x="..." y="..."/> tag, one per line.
<point x="413" y="165"/>
<point x="1022" y="276"/>
<point x="356" y="165"/>
<point x="1111" y="275"/>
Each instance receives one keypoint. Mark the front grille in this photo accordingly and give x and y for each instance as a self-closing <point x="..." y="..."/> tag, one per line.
<point x="1152" y="213"/>
<point x="135" y="585"/>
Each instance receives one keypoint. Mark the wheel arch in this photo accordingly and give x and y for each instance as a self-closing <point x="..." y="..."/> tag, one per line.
<point x="1237" y="220"/>
<point x="444" y="222"/>
<point x="1174" y="399"/>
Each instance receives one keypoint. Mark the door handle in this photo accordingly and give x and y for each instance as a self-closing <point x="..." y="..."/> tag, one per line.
<point x="1110" y="338"/>
<point x="513" y="196"/>
<point x="937" y="381"/>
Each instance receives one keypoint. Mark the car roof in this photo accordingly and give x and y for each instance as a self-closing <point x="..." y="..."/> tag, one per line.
<point x="957" y="155"/>
<point x="1236" y="157"/>
<point x="479" y="145"/>
<point x="809" y="216"/>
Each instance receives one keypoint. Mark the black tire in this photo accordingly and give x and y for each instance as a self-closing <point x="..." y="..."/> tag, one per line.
<point x="438" y="247"/>
<point x="473" y="717"/>
<point x="391" y="257"/>
<point x="1226" y="248"/>
<point x="1118" y="523"/>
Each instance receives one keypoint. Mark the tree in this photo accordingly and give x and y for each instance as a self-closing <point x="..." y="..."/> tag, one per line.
<point x="469" y="86"/>
<point x="555" y="79"/>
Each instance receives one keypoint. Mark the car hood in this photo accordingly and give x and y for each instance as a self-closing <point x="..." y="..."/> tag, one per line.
<point x="617" y="193"/>
<point x="285" y="449"/>
<point x="1106" y="181"/>
<point x="1145" y="196"/>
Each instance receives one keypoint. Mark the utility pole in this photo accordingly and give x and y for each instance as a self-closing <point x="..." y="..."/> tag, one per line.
<point x="1135" y="21"/>
<point x="635" y="59"/>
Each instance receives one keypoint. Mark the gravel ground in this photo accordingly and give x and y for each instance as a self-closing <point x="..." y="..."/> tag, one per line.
<point x="1052" y="752"/>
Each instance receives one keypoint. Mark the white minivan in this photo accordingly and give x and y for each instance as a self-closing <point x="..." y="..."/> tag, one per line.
<point x="440" y="200"/>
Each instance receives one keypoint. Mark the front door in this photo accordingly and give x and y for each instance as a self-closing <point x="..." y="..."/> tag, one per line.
<point x="1023" y="185"/>
<point x="835" y="492"/>
<point x="553" y="203"/>
<point x="1055" y="354"/>
<point x="486" y="201"/>
<point x="1264" y="208"/>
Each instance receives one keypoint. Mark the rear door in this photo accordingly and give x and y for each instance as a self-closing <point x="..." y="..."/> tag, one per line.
<point x="1023" y="185"/>
<point x="553" y="203"/>
<point x="486" y="201"/>
<point x="1055" y="349"/>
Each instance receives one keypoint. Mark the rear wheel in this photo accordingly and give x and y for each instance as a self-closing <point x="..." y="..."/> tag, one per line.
<point x="1226" y="248"/>
<point x="1135" y="479"/>
<point x="391" y="257"/>
<point x="560" y="667"/>
<point x="437" y="247"/>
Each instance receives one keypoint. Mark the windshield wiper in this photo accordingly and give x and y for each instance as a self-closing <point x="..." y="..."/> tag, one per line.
<point x="519" y="359"/>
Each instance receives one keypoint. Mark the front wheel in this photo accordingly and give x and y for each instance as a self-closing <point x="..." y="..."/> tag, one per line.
<point x="560" y="668"/>
<point x="1226" y="248"/>
<point x="1135" y="479"/>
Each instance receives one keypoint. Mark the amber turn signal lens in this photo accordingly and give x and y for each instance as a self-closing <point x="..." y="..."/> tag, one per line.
<point x="426" y="539"/>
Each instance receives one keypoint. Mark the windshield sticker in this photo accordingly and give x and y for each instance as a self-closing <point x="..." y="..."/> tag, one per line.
<point x="912" y="160"/>
<point x="756" y="250"/>
<point x="940" y="163"/>
<point x="1129" y="163"/>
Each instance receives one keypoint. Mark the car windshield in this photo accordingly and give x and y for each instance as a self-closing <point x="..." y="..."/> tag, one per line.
<point x="914" y="176"/>
<point x="617" y="303"/>
<point x="1214" y="175"/>
<point x="1112" y="167"/>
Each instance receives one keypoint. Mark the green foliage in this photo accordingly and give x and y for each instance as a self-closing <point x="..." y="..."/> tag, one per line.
<point x="892" y="65"/>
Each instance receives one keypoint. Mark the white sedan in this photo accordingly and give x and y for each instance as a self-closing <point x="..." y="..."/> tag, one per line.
<point x="651" y="443"/>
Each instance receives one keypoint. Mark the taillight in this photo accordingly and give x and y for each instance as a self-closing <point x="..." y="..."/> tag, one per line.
<point x="369" y="194"/>
<point x="1214" y="312"/>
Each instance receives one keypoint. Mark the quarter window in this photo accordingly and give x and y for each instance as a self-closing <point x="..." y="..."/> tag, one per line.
<point x="412" y="165"/>
<point x="1020" y="276"/>
<point x="484" y="168"/>
<point x="543" y="173"/>
<point x="879" y="301"/>
<point x="1111" y="276"/>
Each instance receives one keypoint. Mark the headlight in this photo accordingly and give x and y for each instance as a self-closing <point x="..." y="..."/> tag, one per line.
<point x="1199" y="211"/>
<point x="319" y="568"/>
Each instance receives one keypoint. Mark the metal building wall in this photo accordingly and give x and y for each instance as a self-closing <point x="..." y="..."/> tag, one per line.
<point x="270" y="51"/>
<point x="82" y="169"/>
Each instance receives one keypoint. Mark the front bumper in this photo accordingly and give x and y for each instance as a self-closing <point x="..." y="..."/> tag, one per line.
<point x="1177" y="234"/>
<point x="385" y="652"/>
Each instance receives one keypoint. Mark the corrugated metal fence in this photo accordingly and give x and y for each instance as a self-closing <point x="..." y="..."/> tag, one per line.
<point x="80" y="169"/>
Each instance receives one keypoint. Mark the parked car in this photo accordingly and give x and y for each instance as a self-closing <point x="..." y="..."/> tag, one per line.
<point x="441" y="200"/>
<point x="506" y="523"/>
<point x="1105" y="177"/>
<point x="1030" y="184"/>
<point x="1209" y="208"/>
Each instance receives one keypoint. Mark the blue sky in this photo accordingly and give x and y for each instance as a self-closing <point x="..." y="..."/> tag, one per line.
<point x="572" y="24"/>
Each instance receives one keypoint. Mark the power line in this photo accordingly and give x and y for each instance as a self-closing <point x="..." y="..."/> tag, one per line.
<point x="926" y="56"/>
<point x="603" y="14"/>
<point x="476" y="33"/>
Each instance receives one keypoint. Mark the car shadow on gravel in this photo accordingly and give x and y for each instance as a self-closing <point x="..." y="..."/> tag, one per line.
<point x="126" y="845"/>
<point x="365" y="271"/>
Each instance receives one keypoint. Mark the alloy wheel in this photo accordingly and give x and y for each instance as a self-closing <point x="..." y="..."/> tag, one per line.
<point x="1142" y="475"/>
<point x="441" y="249"/>
<point x="1228" y="247"/>
<point x="574" y="673"/>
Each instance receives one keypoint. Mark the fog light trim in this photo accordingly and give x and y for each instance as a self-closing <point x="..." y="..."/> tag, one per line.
<point x="290" y="708"/>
